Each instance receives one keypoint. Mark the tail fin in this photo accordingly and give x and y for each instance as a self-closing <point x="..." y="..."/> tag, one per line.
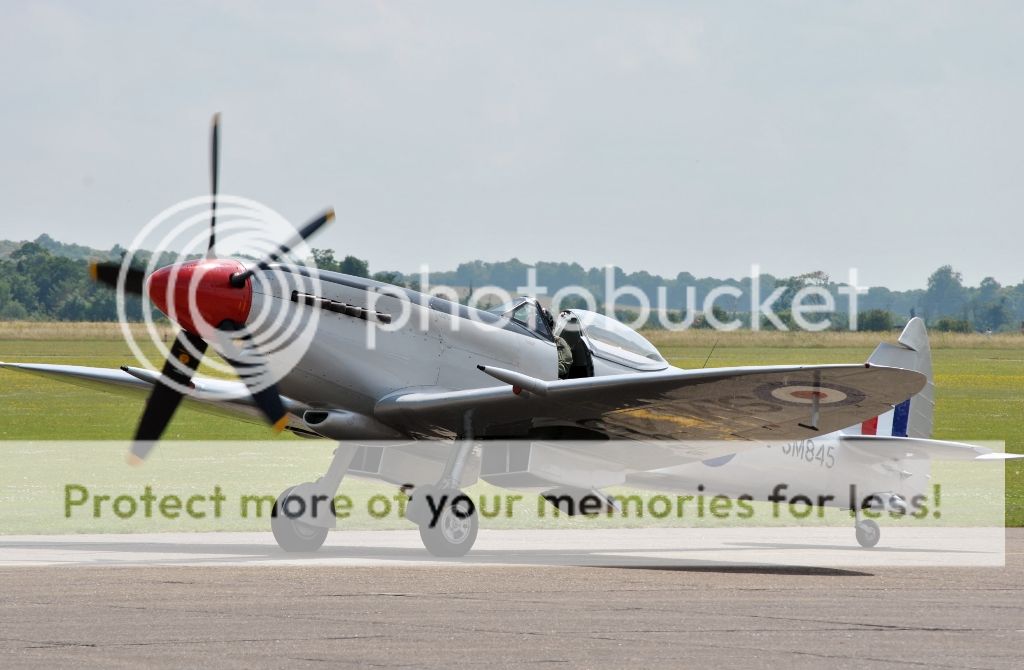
<point x="914" y="416"/>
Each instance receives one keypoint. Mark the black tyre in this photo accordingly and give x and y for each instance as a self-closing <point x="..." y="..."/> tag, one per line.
<point x="292" y="534"/>
<point x="868" y="533"/>
<point x="454" y="531"/>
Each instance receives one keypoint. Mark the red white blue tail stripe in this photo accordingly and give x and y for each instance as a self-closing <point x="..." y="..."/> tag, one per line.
<point x="893" y="423"/>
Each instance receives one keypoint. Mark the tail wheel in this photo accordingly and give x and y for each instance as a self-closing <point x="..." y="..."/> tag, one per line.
<point x="292" y="534"/>
<point x="452" y="533"/>
<point x="868" y="533"/>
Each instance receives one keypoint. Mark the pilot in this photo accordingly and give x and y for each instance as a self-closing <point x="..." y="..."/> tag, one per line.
<point x="564" y="350"/>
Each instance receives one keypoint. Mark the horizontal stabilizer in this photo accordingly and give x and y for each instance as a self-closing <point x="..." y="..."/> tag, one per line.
<point x="895" y="448"/>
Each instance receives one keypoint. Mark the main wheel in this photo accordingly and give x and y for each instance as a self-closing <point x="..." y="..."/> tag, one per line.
<point x="454" y="531"/>
<point x="292" y="534"/>
<point x="868" y="533"/>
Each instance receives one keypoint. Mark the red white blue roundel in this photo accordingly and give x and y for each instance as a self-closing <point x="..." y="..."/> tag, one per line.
<point x="807" y="393"/>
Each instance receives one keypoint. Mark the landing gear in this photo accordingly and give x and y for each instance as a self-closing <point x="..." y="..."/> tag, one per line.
<point x="291" y="533"/>
<point x="447" y="517"/>
<point x="304" y="514"/>
<point x="452" y="524"/>
<point x="868" y="533"/>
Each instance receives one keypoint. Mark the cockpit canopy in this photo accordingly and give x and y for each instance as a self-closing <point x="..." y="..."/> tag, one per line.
<point x="608" y="339"/>
<point x="604" y="337"/>
<point x="527" y="313"/>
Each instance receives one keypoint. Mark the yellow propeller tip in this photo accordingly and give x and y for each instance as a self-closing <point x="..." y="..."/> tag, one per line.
<point x="330" y="215"/>
<point x="280" y="424"/>
<point x="94" y="271"/>
<point x="133" y="460"/>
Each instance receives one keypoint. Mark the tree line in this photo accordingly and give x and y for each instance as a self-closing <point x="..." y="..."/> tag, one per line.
<point x="47" y="280"/>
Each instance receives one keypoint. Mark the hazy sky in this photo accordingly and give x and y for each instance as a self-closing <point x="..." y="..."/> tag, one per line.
<point x="661" y="136"/>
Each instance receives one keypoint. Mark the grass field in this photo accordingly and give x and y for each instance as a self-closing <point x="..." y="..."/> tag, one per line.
<point x="980" y="384"/>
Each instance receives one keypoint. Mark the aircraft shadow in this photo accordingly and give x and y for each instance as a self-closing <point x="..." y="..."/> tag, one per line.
<point x="846" y="547"/>
<point x="269" y="554"/>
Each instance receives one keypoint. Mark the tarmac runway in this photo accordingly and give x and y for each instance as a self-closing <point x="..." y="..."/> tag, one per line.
<point x="630" y="598"/>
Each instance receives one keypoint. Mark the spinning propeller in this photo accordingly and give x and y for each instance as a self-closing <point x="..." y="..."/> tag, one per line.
<point x="218" y="307"/>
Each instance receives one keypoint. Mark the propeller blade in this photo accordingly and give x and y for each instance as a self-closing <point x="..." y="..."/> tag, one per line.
<point x="267" y="399"/>
<point x="107" y="273"/>
<point x="164" y="399"/>
<point x="306" y="232"/>
<point x="214" y="172"/>
<point x="269" y="402"/>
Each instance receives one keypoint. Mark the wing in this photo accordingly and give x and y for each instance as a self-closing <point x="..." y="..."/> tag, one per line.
<point x="217" y="396"/>
<point x="751" y="403"/>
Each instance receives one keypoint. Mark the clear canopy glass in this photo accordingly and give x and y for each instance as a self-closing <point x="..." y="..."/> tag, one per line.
<point x="610" y="339"/>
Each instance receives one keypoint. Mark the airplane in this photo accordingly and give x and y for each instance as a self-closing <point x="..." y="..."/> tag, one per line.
<point x="453" y="393"/>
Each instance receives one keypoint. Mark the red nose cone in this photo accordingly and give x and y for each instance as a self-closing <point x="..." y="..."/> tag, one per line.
<point x="214" y="299"/>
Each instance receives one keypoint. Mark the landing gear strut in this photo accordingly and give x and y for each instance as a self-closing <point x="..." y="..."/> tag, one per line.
<point x="447" y="517"/>
<point x="304" y="514"/>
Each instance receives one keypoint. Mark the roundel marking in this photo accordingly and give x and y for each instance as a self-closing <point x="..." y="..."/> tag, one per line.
<point x="807" y="393"/>
<point x="718" y="461"/>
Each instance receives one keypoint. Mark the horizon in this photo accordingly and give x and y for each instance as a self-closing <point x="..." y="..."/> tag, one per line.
<point x="627" y="271"/>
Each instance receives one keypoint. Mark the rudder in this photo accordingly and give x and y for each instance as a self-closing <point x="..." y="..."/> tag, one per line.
<point x="914" y="417"/>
